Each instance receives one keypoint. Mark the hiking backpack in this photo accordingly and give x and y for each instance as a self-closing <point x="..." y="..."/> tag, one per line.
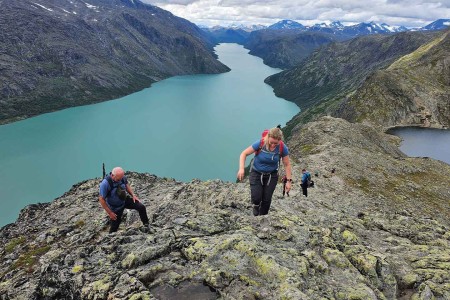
<point x="119" y="190"/>
<point x="309" y="182"/>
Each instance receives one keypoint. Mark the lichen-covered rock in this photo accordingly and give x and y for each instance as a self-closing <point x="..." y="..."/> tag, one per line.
<point x="353" y="237"/>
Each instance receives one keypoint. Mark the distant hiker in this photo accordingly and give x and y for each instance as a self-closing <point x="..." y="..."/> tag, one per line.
<point x="264" y="171"/>
<point x="116" y="195"/>
<point x="306" y="182"/>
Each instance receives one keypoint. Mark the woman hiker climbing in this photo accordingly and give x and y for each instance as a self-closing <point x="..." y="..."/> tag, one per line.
<point x="264" y="171"/>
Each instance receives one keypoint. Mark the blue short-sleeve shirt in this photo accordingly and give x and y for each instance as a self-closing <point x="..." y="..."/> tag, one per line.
<point x="267" y="161"/>
<point x="110" y="195"/>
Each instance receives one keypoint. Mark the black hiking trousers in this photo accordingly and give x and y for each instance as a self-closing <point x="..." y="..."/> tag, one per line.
<point x="262" y="187"/>
<point x="130" y="205"/>
<point x="305" y="189"/>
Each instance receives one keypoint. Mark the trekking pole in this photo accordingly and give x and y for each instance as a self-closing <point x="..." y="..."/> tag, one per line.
<point x="104" y="173"/>
<point x="284" y="185"/>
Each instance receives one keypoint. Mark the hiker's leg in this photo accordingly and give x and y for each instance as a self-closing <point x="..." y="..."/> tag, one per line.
<point x="268" y="193"/>
<point x="256" y="191"/>
<point x="304" y="189"/>
<point x="115" y="223"/>
<point x="130" y="204"/>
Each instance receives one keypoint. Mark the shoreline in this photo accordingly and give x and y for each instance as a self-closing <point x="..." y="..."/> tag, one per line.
<point x="390" y="128"/>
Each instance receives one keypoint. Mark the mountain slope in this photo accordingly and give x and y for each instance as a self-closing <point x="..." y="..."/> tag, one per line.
<point x="377" y="228"/>
<point x="227" y="35"/>
<point x="286" y="24"/>
<point x="286" y="48"/>
<point x="340" y="68"/>
<point x="437" y="25"/>
<point x="414" y="90"/>
<point x="58" y="54"/>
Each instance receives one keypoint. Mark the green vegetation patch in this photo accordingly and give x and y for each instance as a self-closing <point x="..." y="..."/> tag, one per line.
<point x="349" y="237"/>
<point x="358" y="292"/>
<point x="416" y="55"/>
<point x="335" y="257"/>
<point x="361" y="183"/>
<point x="198" y="250"/>
<point x="80" y="223"/>
<point x="29" y="259"/>
<point x="307" y="149"/>
<point x="13" y="243"/>
<point x="140" y="296"/>
<point x="77" y="269"/>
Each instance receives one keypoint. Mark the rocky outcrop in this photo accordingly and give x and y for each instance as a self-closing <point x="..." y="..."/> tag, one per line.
<point x="376" y="228"/>
<point x="59" y="54"/>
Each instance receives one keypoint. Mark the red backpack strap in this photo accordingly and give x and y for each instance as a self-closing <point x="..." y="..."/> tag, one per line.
<point x="281" y="153"/>
<point x="261" y="144"/>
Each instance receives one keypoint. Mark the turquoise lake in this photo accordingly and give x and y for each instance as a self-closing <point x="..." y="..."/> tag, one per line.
<point x="183" y="127"/>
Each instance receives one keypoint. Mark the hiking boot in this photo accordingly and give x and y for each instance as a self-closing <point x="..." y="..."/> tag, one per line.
<point x="147" y="228"/>
<point x="256" y="210"/>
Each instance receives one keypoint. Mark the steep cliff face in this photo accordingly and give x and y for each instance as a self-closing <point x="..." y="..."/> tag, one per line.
<point x="58" y="54"/>
<point x="414" y="90"/>
<point x="376" y="228"/>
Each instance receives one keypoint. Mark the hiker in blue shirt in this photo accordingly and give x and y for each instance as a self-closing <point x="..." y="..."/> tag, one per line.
<point x="306" y="179"/>
<point x="116" y="195"/>
<point x="264" y="171"/>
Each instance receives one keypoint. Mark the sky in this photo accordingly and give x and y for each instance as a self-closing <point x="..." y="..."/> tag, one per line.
<point x="409" y="13"/>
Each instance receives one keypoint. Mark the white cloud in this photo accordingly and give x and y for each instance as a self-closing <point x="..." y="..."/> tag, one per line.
<point x="410" y="13"/>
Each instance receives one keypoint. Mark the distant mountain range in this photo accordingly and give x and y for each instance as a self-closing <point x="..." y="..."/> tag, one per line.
<point x="337" y="27"/>
<point x="286" y="24"/>
<point x="437" y="25"/>
<point x="286" y="43"/>
<point x="249" y="28"/>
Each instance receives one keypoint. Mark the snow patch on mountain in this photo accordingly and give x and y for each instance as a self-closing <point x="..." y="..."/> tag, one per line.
<point x="336" y="27"/>
<point x="91" y="6"/>
<point x="42" y="6"/>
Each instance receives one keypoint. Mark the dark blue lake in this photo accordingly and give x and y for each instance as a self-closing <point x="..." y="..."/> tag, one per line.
<point x="424" y="142"/>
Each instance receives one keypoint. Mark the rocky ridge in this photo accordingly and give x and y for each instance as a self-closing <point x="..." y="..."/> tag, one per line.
<point x="377" y="228"/>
